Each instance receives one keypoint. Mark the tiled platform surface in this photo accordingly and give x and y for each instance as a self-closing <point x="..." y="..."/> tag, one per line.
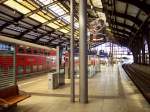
<point x="109" y="91"/>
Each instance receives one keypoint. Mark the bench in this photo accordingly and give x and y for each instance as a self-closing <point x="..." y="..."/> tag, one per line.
<point x="11" y="96"/>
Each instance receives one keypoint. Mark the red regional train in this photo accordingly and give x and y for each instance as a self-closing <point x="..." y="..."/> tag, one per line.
<point x="30" y="58"/>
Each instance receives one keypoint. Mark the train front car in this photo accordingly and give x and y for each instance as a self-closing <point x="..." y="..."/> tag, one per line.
<point x="31" y="61"/>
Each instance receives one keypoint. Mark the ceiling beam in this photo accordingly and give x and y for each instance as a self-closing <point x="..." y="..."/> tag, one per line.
<point x="126" y="26"/>
<point x="133" y="26"/>
<point x="126" y="12"/>
<point x="122" y="35"/>
<point x="114" y="11"/>
<point x="133" y="19"/>
<point x="144" y="24"/>
<point x="123" y="31"/>
<point x="46" y="34"/>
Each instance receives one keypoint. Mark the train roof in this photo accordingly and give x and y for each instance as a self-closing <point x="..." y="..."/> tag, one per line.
<point x="20" y="42"/>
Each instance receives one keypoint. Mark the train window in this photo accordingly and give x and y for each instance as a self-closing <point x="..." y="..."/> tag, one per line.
<point x="28" y="50"/>
<point x="39" y="51"/>
<point x="40" y="67"/>
<point x="45" y="53"/>
<point x="28" y="69"/>
<point x="34" y="68"/>
<point x="21" y="50"/>
<point x="20" y="69"/>
<point x="35" y="51"/>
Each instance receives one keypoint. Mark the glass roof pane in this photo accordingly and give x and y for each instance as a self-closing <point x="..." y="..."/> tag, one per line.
<point x="56" y="9"/>
<point x="64" y="30"/>
<point x="76" y="25"/>
<point x="66" y="18"/>
<point x="62" y="22"/>
<point x="121" y="7"/>
<point x="27" y="4"/>
<point x="16" y="28"/>
<point x="52" y="25"/>
<point x="130" y="23"/>
<point x="67" y="28"/>
<point x="45" y="2"/>
<point x="43" y="40"/>
<point x="132" y="10"/>
<point x="44" y="15"/>
<point x="56" y="22"/>
<point x="38" y="18"/>
<point x="34" y="34"/>
<point x="13" y="4"/>
<point x="48" y="14"/>
<point x="33" y="3"/>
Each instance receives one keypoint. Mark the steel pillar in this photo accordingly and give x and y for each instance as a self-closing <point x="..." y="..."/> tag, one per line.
<point x="58" y="62"/>
<point x="14" y="64"/>
<point x="72" y="51"/>
<point x="139" y="51"/>
<point x="143" y="50"/>
<point x="148" y="43"/>
<point x="136" y="56"/>
<point x="83" y="51"/>
<point x="148" y="36"/>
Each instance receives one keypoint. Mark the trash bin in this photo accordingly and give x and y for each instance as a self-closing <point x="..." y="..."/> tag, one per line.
<point x="50" y="81"/>
<point x="53" y="82"/>
<point x="61" y="77"/>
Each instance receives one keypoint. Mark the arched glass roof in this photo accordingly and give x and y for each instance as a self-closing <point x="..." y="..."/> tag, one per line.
<point x="45" y="22"/>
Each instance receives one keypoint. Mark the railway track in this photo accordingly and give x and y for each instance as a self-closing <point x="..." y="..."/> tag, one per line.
<point x="140" y="79"/>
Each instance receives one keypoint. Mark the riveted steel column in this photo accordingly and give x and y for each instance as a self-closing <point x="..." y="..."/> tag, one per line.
<point x="72" y="51"/>
<point x="83" y="51"/>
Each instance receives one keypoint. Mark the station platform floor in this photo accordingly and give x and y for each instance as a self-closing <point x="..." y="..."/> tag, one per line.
<point x="109" y="91"/>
